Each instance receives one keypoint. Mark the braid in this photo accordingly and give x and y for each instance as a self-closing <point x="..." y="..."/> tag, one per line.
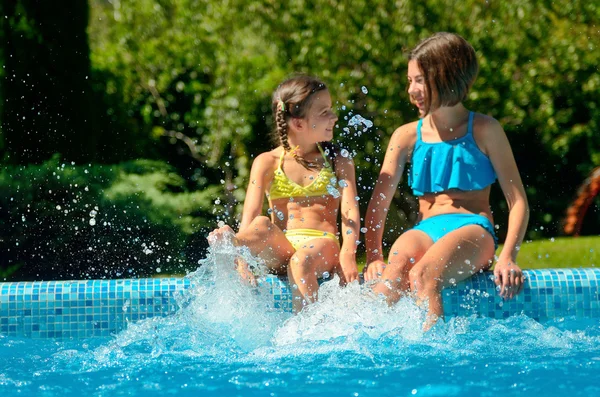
<point x="292" y="100"/>
<point x="282" y="129"/>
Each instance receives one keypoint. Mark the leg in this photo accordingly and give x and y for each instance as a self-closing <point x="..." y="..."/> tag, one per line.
<point x="453" y="258"/>
<point x="313" y="258"/>
<point x="268" y="242"/>
<point x="264" y="239"/>
<point x="408" y="249"/>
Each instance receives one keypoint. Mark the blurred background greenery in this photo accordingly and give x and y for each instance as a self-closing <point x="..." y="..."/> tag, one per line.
<point x="127" y="129"/>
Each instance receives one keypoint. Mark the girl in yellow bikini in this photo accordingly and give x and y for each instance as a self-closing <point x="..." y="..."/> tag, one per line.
<point x="308" y="185"/>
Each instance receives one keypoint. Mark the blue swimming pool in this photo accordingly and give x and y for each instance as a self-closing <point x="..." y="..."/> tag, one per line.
<point x="223" y="338"/>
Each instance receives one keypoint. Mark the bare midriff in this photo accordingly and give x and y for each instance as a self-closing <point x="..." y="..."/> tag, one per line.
<point x="455" y="202"/>
<point x="319" y="213"/>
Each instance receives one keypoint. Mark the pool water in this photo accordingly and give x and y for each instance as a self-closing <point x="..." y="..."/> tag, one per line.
<point x="227" y="340"/>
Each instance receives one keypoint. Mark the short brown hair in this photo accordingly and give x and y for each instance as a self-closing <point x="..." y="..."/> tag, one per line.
<point x="449" y="67"/>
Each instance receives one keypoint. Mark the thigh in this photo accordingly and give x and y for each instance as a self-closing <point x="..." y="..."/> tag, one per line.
<point x="409" y="247"/>
<point x="458" y="255"/>
<point x="267" y="241"/>
<point x="317" y="255"/>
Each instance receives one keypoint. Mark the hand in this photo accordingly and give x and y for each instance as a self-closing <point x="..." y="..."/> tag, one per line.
<point x="347" y="269"/>
<point x="220" y="234"/>
<point x="509" y="277"/>
<point x="349" y="272"/>
<point x="374" y="270"/>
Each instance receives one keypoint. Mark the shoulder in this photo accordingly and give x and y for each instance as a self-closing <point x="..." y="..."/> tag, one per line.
<point x="267" y="161"/>
<point x="404" y="136"/>
<point x="484" y="125"/>
<point x="488" y="133"/>
<point x="339" y="156"/>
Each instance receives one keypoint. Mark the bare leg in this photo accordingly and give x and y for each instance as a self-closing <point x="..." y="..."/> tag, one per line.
<point x="315" y="257"/>
<point x="408" y="249"/>
<point x="268" y="242"/>
<point x="265" y="240"/>
<point x="453" y="258"/>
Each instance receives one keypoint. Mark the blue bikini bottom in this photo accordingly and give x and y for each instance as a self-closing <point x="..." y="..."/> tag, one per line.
<point x="438" y="226"/>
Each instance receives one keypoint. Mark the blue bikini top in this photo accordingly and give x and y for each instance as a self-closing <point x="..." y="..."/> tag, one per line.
<point x="457" y="164"/>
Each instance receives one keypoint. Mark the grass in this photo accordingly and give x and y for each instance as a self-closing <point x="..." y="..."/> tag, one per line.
<point x="561" y="252"/>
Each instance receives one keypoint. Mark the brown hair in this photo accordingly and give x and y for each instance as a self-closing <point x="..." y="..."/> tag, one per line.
<point x="449" y="67"/>
<point x="293" y="99"/>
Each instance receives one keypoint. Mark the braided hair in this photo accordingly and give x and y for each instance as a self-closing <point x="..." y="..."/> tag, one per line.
<point x="293" y="99"/>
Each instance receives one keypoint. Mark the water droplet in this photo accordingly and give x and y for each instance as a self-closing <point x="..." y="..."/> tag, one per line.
<point x="363" y="230"/>
<point x="344" y="153"/>
<point x="364" y="90"/>
<point x="92" y="221"/>
<point x="325" y="275"/>
<point x="349" y="231"/>
<point x="333" y="191"/>
<point x="358" y="120"/>
<point x="343" y="183"/>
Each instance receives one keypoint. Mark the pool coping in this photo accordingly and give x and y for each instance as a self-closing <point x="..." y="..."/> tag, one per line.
<point x="101" y="308"/>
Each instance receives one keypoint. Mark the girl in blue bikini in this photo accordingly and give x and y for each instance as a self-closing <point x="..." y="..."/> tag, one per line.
<point x="308" y="186"/>
<point x="455" y="156"/>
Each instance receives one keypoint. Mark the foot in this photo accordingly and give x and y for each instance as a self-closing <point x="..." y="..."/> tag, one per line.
<point x="224" y="233"/>
<point x="245" y="273"/>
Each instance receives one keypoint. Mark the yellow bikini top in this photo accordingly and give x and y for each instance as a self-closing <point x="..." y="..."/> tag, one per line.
<point x="283" y="187"/>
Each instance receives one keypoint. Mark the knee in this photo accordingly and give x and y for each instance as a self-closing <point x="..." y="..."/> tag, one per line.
<point x="257" y="229"/>
<point x="421" y="279"/>
<point x="260" y="223"/>
<point x="400" y="264"/>
<point x="302" y="263"/>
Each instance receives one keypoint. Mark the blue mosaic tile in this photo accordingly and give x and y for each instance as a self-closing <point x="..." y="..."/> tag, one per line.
<point x="91" y="308"/>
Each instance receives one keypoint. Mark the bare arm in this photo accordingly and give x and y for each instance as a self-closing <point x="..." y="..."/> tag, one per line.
<point x="500" y="153"/>
<point x="389" y="177"/>
<point x="261" y="175"/>
<point x="350" y="218"/>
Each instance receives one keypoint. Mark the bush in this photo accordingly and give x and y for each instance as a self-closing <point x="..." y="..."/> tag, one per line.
<point x="133" y="219"/>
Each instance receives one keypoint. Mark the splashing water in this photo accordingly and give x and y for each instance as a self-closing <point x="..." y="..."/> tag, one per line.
<point x="227" y="339"/>
<point x="357" y="120"/>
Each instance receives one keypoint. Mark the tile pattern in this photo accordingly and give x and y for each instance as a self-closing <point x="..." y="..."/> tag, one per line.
<point x="91" y="308"/>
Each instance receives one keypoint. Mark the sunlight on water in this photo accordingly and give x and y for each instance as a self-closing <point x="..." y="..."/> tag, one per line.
<point x="227" y="339"/>
<point x="225" y="319"/>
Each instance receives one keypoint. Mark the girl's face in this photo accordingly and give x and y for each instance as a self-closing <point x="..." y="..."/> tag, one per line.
<point x="416" y="86"/>
<point x="321" y="118"/>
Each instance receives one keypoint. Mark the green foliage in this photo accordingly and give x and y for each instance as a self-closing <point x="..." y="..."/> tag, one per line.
<point x="74" y="221"/>
<point x="206" y="70"/>
<point x="189" y="83"/>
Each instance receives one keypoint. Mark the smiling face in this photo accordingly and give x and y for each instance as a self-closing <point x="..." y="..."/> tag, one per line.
<point x="320" y="119"/>
<point x="416" y="87"/>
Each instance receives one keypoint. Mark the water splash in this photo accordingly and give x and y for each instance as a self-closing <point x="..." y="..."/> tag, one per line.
<point x="225" y="322"/>
<point x="357" y="120"/>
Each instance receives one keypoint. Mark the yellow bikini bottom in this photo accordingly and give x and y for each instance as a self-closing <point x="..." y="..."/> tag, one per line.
<point x="299" y="237"/>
